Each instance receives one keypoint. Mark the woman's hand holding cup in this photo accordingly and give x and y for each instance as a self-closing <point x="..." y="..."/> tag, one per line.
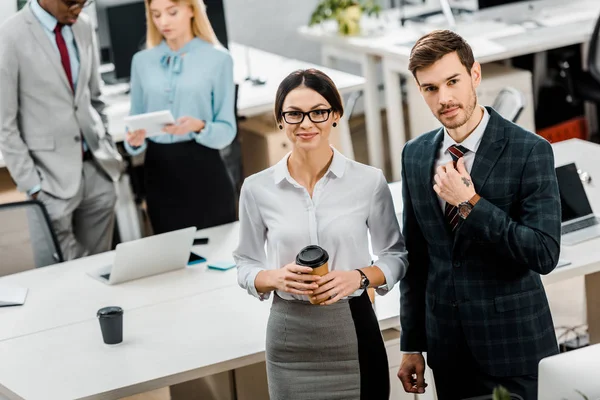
<point x="294" y="279"/>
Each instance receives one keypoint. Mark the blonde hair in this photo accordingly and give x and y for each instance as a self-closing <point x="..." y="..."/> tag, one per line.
<point x="201" y="26"/>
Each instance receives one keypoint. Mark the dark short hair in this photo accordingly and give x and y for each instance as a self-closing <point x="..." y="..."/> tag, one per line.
<point x="313" y="79"/>
<point x="435" y="45"/>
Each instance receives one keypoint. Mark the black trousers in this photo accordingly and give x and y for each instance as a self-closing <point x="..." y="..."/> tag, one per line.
<point x="462" y="378"/>
<point x="187" y="184"/>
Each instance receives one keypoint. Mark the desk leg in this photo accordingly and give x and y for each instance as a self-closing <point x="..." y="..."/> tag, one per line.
<point x="373" y="112"/>
<point x="592" y="294"/>
<point x="395" y="118"/>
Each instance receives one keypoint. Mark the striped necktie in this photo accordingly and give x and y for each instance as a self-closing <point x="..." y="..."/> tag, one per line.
<point x="451" y="212"/>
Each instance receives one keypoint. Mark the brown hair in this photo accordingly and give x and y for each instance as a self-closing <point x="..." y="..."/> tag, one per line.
<point x="312" y="79"/>
<point x="435" y="45"/>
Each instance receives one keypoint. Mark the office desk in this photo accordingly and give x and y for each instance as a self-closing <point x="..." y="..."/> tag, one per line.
<point x="64" y="294"/>
<point x="253" y="99"/>
<point x="392" y="45"/>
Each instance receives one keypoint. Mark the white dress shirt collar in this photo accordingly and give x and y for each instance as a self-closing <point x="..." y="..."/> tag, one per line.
<point x="473" y="141"/>
<point x="337" y="168"/>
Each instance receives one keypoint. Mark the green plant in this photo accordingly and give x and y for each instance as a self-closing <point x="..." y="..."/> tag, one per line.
<point x="331" y="9"/>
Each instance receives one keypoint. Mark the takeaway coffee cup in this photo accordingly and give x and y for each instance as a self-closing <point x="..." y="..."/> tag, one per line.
<point x="316" y="258"/>
<point x="111" y="324"/>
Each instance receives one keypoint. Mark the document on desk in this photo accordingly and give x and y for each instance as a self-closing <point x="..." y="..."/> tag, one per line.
<point x="12" y="296"/>
<point x="152" y="122"/>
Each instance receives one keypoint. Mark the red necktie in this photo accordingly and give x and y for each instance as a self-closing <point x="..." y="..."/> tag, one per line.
<point x="451" y="213"/>
<point x="64" y="53"/>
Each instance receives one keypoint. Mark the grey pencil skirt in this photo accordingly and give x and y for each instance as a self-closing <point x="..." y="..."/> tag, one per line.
<point x="333" y="352"/>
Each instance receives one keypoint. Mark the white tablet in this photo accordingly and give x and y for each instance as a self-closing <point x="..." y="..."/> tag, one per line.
<point x="152" y="122"/>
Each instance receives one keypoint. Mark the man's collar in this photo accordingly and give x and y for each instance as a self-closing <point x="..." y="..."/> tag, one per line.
<point x="45" y="18"/>
<point x="474" y="139"/>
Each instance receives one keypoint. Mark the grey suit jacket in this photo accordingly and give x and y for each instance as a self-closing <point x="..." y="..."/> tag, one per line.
<point x="41" y="120"/>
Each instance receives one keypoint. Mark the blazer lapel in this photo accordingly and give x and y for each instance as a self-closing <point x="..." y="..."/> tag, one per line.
<point x="82" y="49"/>
<point x="429" y="152"/>
<point x="492" y="145"/>
<point x="46" y="46"/>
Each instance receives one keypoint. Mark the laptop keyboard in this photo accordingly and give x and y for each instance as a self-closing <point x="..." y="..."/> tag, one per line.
<point x="106" y="276"/>
<point x="586" y="223"/>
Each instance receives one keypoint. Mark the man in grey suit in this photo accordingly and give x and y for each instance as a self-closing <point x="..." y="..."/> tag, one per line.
<point x="52" y="135"/>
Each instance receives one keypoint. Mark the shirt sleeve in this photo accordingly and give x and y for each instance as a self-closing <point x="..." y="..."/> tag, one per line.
<point x="137" y="104"/>
<point x="250" y="256"/>
<point x="219" y="132"/>
<point x="386" y="238"/>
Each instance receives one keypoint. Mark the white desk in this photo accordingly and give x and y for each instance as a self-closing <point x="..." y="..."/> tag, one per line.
<point x="181" y="325"/>
<point x="252" y="99"/>
<point x="393" y="44"/>
<point x="64" y="294"/>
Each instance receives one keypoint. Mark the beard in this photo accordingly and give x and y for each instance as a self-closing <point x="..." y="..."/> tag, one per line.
<point x="468" y="112"/>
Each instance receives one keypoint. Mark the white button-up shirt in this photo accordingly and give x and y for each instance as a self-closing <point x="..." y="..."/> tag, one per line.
<point x="472" y="143"/>
<point x="351" y="201"/>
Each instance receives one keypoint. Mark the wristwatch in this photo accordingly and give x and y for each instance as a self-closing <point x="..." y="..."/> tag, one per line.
<point x="364" y="281"/>
<point x="464" y="208"/>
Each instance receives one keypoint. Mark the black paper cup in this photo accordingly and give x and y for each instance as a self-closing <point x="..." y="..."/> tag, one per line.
<point x="111" y="324"/>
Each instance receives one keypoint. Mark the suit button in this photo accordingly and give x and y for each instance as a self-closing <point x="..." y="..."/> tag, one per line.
<point x="77" y="139"/>
<point x="76" y="108"/>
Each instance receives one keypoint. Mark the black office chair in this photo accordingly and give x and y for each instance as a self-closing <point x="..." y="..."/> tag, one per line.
<point x="509" y="103"/>
<point x="232" y="154"/>
<point x="27" y="239"/>
<point x="585" y="85"/>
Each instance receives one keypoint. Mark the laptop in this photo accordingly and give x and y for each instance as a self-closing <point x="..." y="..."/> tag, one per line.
<point x="148" y="256"/>
<point x="578" y="220"/>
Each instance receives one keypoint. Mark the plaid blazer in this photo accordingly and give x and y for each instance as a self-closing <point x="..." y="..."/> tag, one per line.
<point x="481" y="285"/>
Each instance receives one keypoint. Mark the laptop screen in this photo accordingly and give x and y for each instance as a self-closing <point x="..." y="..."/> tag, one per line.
<point x="573" y="200"/>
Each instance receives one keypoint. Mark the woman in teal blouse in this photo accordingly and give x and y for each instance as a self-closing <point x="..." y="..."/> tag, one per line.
<point x="184" y="69"/>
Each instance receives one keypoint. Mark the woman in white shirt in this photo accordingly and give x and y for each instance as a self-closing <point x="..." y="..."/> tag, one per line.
<point x="316" y="196"/>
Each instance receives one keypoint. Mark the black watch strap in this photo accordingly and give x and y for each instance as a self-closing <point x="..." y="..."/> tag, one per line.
<point x="364" y="284"/>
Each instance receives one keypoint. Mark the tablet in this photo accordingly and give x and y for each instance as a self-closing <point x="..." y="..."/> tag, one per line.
<point x="152" y="122"/>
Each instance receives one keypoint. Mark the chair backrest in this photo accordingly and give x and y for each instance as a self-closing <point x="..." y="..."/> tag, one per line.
<point x="509" y="103"/>
<point x="232" y="154"/>
<point x="594" y="52"/>
<point x="27" y="239"/>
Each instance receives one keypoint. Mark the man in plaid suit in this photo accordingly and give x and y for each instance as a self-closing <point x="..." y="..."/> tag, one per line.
<point x="481" y="223"/>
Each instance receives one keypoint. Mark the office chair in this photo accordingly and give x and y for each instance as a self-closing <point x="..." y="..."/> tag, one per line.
<point x="232" y="154"/>
<point x="27" y="239"/>
<point x="509" y="103"/>
<point x="585" y="85"/>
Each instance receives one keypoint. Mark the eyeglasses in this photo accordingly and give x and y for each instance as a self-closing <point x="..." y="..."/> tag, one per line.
<point x="74" y="5"/>
<point x="316" y="116"/>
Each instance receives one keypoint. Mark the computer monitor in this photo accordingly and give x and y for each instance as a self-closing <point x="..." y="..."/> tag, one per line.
<point x="127" y="30"/>
<point x="494" y="3"/>
<point x="573" y="199"/>
<point x="567" y="376"/>
<point x="215" y="9"/>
